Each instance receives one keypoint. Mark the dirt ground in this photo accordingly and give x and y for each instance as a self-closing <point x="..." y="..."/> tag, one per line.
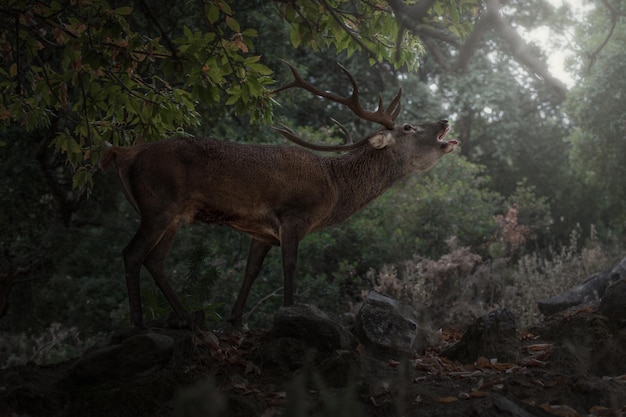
<point x="573" y="364"/>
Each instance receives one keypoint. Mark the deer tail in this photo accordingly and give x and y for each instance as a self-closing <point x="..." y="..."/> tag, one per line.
<point x="108" y="156"/>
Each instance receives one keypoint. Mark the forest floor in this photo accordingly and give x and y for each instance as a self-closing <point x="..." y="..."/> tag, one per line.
<point x="571" y="365"/>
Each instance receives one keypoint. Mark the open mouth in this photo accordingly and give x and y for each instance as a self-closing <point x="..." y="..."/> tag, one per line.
<point x="446" y="145"/>
<point x="444" y="133"/>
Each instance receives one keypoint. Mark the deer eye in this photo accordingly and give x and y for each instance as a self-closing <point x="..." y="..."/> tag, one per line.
<point x="408" y="128"/>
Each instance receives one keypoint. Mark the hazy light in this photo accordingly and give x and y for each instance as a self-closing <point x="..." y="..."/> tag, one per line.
<point x="556" y="45"/>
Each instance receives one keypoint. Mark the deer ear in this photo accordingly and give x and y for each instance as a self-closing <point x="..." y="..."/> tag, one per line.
<point x="381" y="140"/>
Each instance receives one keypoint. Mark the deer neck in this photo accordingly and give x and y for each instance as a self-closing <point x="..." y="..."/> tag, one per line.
<point x="360" y="176"/>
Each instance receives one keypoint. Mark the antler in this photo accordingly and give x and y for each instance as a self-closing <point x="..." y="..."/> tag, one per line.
<point x="291" y="135"/>
<point x="385" y="117"/>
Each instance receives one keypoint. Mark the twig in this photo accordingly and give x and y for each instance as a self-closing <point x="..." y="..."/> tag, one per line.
<point x="261" y="301"/>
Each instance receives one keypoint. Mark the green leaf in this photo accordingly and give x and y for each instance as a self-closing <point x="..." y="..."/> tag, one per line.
<point x="250" y="32"/>
<point x="212" y="12"/>
<point x="454" y="14"/>
<point x="294" y="37"/>
<point x="123" y="11"/>
<point x="260" y="68"/>
<point x="232" y="24"/>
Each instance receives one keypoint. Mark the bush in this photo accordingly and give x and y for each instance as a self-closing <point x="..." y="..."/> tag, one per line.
<point x="460" y="286"/>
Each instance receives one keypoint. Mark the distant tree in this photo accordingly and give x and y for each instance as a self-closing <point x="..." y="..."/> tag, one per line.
<point x="596" y="107"/>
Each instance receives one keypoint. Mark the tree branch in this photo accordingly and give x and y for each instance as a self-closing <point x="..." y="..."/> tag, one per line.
<point x="614" y="14"/>
<point x="164" y="35"/>
<point x="410" y="17"/>
<point x="466" y="51"/>
<point x="524" y="56"/>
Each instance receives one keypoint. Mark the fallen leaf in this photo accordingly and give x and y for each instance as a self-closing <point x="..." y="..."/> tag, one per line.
<point x="482" y="362"/>
<point x="393" y="363"/>
<point x="447" y="400"/>
<point x="539" y="346"/>
<point x="534" y="363"/>
<point x="211" y="339"/>
<point x="559" y="410"/>
<point x="599" y="410"/>
<point x="251" y="367"/>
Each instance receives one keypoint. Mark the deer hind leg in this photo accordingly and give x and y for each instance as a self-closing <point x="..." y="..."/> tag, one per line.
<point x="135" y="254"/>
<point x="155" y="264"/>
<point x="289" y="241"/>
<point x="256" y="255"/>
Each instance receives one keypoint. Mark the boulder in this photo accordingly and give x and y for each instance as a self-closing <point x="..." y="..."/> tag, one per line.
<point x="491" y="336"/>
<point x="387" y="326"/>
<point x="303" y="337"/>
<point x="138" y="354"/>
<point x="587" y="343"/>
<point x="310" y="324"/>
<point x="613" y="304"/>
<point x="592" y="288"/>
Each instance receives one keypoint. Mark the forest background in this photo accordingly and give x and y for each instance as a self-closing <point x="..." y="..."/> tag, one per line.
<point x="532" y="203"/>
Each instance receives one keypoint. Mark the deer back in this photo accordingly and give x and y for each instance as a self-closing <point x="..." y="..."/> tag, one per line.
<point x="248" y="187"/>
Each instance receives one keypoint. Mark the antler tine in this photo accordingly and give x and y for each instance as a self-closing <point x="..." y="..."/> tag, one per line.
<point x="297" y="79"/>
<point x="345" y="131"/>
<point x="355" y="86"/>
<point x="291" y="135"/>
<point x="384" y="117"/>
<point x="394" y="107"/>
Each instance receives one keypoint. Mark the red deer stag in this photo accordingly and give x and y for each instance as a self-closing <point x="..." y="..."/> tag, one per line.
<point x="276" y="194"/>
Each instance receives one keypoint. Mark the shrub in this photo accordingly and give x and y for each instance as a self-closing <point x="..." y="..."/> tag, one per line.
<point x="460" y="286"/>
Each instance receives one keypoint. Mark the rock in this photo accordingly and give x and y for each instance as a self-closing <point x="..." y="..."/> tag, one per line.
<point x="136" y="355"/>
<point x="387" y="326"/>
<point x="501" y="406"/>
<point x="590" y="289"/>
<point x="490" y="336"/>
<point x="310" y="324"/>
<point x="586" y="343"/>
<point x="302" y="335"/>
<point x="613" y="304"/>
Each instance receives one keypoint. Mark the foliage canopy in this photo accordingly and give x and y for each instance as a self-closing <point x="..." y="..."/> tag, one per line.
<point x="91" y="73"/>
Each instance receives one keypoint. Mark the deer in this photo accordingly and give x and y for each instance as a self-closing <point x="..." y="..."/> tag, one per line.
<point x="277" y="194"/>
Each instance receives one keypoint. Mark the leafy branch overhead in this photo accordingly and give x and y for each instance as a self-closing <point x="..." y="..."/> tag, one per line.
<point x="87" y="73"/>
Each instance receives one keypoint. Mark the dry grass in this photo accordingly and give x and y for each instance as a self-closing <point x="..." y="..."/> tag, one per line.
<point x="461" y="286"/>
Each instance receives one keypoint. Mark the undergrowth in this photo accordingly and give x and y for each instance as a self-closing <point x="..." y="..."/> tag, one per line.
<point x="462" y="286"/>
<point x="52" y="345"/>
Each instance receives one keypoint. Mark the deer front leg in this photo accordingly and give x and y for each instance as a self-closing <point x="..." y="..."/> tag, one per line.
<point x="256" y="256"/>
